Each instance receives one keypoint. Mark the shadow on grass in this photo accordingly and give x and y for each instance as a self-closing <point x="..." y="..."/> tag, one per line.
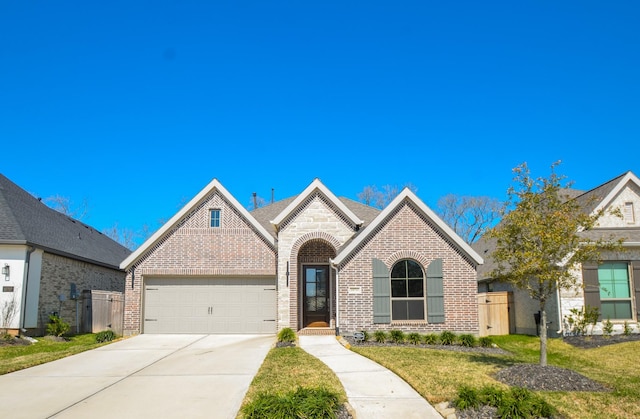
<point x="497" y="361"/>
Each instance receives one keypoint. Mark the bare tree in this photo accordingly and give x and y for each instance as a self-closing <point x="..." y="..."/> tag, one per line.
<point x="469" y="216"/>
<point x="371" y="195"/>
<point x="256" y="202"/>
<point x="63" y="205"/>
<point x="368" y="195"/>
<point x="124" y="236"/>
<point x="8" y="312"/>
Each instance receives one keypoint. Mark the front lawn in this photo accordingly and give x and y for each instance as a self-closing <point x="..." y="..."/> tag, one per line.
<point x="437" y="374"/>
<point x="286" y="369"/>
<point x="17" y="357"/>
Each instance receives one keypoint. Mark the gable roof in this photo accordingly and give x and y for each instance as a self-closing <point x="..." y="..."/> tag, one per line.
<point x="591" y="201"/>
<point x="602" y="196"/>
<point x="214" y="185"/>
<point x="407" y="195"/>
<point x="316" y="185"/>
<point x="265" y="214"/>
<point x="25" y="220"/>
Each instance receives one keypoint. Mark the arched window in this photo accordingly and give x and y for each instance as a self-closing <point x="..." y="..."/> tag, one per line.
<point x="407" y="291"/>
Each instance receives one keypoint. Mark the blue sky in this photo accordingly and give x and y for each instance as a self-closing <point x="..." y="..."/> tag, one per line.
<point x="136" y="106"/>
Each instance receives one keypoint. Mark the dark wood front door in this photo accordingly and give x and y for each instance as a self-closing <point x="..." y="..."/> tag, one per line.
<point x="316" y="296"/>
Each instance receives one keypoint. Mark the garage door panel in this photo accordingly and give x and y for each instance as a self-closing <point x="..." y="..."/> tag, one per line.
<point x="214" y="305"/>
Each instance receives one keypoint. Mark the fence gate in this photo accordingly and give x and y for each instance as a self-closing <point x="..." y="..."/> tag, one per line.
<point x="495" y="312"/>
<point x="102" y="310"/>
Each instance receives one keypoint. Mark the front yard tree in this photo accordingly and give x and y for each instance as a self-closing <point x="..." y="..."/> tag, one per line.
<point x="538" y="241"/>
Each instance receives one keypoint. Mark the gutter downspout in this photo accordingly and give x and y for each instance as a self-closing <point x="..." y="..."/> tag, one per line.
<point x="25" y="281"/>
<point x="334" y="266"/>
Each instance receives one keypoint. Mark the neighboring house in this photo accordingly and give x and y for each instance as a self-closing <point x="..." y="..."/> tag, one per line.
<point x="44" y="256"/>
<point x="612" y="286"/>
<point x="313" y="262"/>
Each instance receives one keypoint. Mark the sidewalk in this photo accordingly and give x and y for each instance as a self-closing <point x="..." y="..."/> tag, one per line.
<point x="373" y="391"/>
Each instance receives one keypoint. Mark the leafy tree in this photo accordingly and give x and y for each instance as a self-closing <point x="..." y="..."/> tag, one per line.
<point x="538" y="242"/>
<point x="469" y="216"/>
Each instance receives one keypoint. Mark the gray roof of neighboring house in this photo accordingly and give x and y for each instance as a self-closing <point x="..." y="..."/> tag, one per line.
<point x="589" y="201"/>
<point x="265" y="214"/>
<point x="26" y="220"/>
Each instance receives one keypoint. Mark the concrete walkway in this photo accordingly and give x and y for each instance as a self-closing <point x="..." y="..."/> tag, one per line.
<point x="147" y="376"/>
<point x="373" y="391"/>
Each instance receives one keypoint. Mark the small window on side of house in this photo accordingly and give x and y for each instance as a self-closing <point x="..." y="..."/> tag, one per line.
<point x="628" y="213"/>
<point x="214" y="218"/>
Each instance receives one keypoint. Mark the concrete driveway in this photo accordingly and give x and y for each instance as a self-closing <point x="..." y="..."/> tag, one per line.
<point x="147" y="376"/>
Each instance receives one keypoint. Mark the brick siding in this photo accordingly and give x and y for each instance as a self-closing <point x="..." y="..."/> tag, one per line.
<point x="192" y="248"/>
<point x="58" y="273"/>
<point x="409" y="235"/>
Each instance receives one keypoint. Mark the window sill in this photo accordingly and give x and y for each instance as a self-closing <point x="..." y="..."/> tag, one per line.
<point x="408" y="322"/>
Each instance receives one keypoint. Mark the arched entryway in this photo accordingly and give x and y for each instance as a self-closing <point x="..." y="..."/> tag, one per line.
<point x="316" y="284"/>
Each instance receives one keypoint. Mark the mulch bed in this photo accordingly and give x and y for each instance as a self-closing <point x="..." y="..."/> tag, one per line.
<point x="14" y="342"/>
<point x="457" y="348"/>
<point x="597" y="341"/>
<point x="549" y="378"/>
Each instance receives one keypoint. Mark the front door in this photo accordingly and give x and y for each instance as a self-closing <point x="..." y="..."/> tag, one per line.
<point x="316" y="296"/>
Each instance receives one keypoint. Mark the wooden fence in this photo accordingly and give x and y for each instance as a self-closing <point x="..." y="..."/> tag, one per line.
<point x="495" y="313"/>
<point x="102" y="310"/>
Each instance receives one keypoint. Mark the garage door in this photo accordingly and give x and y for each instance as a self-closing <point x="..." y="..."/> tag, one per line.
<point x="201" y="305"/>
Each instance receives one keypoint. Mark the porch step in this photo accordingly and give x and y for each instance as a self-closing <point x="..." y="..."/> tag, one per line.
<point x="317" y="331"/>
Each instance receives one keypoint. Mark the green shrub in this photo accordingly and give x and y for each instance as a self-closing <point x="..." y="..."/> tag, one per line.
<point x="57" y="326"/>
<point x="468" y="398"/>
<point x="627" y="329"/>
<point x="366" y="336"/>
<point x="414" y="338"/>
<point x="312" y="403"/>
<point x="447" y="338"/>
<point x="431" y="339"/>
<point x="380" y="336"/>
<point x="607" y="327"/>
<point x="467" y="340"/>
<point x="397" y="336"/>
<point x="105" y="336"/>
<point x="286" y="335"/>
<point x="486" y="342"/>
<point x="491" y="396"/>
<point x="514" y="403"/>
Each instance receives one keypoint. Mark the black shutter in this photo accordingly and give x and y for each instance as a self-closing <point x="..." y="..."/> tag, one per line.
<point x="591" y="286"/>
<point x="636" y="285"/>
<point x="381" y="292"/>
<point x="435" y="292"/>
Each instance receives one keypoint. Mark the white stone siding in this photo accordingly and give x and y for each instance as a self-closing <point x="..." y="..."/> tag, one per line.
<point x="315" y="217"/>
<point x="574" y="297"/>
<point x="630" y="193"/>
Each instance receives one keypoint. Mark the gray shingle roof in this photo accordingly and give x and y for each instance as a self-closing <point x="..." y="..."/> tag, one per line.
<point x="26" y="220"/>
<point x="588" y="201"/>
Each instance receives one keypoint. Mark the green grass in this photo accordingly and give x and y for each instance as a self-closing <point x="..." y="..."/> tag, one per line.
<point x="18" y="357"/>
<point x="284" y="370"/>
<point x="438" y="374"/>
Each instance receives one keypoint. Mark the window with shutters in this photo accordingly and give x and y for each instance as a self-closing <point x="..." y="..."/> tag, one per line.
<point x="615" y="291"/>
<point x="407" y="291"/>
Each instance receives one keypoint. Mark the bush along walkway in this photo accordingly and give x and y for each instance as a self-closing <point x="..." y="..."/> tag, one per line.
<point x="373" y="391"/>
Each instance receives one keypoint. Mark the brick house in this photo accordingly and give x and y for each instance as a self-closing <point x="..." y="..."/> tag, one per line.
<point x="44" y="257"/>
<point x="314" y="262"/>
<point x="612" y="286"/>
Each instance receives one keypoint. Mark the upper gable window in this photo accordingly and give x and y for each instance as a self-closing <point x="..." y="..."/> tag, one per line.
<point x="628" y="213"/>
<point x="214" y="218"/>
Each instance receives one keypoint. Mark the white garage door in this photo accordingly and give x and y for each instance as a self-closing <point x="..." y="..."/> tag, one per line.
<point x="210" y="305"/>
